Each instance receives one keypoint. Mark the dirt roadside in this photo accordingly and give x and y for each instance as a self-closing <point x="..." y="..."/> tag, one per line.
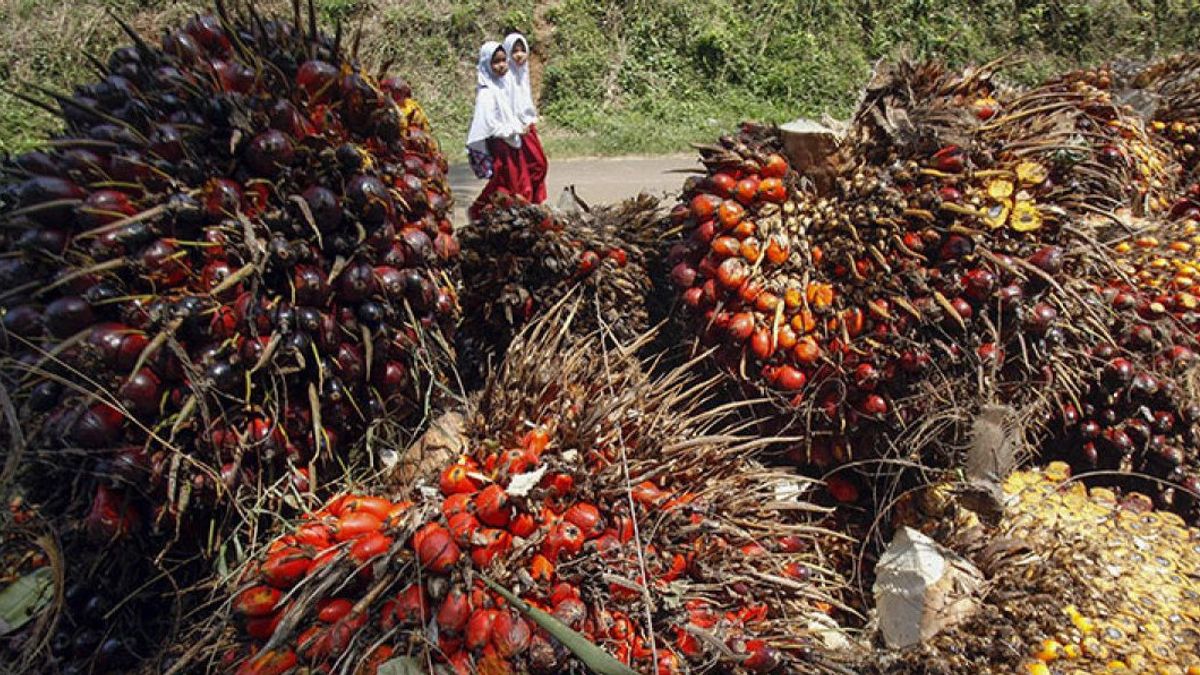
<point x="596" y="180"/>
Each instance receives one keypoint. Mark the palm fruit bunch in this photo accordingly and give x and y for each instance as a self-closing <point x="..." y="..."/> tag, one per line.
<point x="234" y="260"/>
<point x="947" y="265"/>
<point x="519" y="259"/>
<point x="1082" y="581"/>
<point x="1167" y="91"/>
<point x="590" y="491"/>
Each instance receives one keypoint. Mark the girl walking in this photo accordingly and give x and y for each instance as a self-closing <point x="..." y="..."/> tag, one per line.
<point x="494" y="138"/>
<point x="521" y="94"/>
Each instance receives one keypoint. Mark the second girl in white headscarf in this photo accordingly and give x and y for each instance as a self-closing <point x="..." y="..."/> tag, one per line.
<point x="494" y="138"/>
<point x="521" y="94"/>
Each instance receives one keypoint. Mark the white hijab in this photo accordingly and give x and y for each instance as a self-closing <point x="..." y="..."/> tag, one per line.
<point x="494" y="116"/>
<point x="520" y="93"/>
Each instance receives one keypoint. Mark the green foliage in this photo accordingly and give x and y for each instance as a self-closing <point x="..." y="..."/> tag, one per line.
<point x="636" y="76"/>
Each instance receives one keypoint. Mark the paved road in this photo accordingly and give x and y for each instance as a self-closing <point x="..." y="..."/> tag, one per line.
<point x="596" y="180"/>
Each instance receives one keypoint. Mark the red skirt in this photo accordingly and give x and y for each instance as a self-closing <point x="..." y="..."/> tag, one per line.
<point x="510" y="175"/>
<point x="535" y="159"/>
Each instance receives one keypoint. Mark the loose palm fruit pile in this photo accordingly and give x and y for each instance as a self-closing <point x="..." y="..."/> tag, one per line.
<point x="520" y="259"/>
<point x="949" y="265"/>
<point x="231" y="263"/>
<point x="604" y="497"/>
<point x="1082" y="581"/>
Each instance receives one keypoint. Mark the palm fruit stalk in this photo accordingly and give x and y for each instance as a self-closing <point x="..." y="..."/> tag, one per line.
<point x="1082" y="580"/>
<point x="520" y="259"/>
<point x="593" y="492"/>
<point x="948" y="266"/>
<point x="234" y="260"/>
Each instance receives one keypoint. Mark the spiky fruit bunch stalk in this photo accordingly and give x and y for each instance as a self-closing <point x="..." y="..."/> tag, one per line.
<point x="1082" y="581"/>
<point x="519" y="259"/>
<point x="946" y="267"/>
<point x="231" y="263"/>
<point x="592" y="492"/>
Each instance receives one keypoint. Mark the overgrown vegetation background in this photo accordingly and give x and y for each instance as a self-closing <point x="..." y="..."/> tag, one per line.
<point x="632" y="76"/>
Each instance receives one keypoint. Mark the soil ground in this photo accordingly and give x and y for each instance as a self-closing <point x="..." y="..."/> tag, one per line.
<point x="596" y="180"/>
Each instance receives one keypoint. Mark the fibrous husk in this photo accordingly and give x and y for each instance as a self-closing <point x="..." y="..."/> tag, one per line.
<point x="520" y="259"/>
<point x="599" y="494"/>
<point x="234" y="261"/>
<point x="1078" y="579"/>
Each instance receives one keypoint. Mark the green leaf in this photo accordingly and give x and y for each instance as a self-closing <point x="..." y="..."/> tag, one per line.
<point x="598" y="660"/>
<point x="405" y="665"/>
<point x="24" y="598"/>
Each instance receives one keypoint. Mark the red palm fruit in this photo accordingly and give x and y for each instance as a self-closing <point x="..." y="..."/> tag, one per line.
<point x="324" y="559"/>
<point x="517" y="460"/>
<point x="492" y="507"/>
<point x="841" y="489"/>
<point x="563" y="538"/>
<point x="647" y="494"/>
<point x="490" y="544"/>
<point x="978" y="284"/>
<point x="788" y="378"/>
<point x="273" y="662"/>
<point x="522" y="525"/>
<point x="376" y="506"/>
<point x="283" y="568"/>
<point x="535" y="441"/>
<point x="563" y="591"/>
<point x="730" y="214"/>
<point x="775" y="166"/>
<point x="726" y="246"/>
<point x="435" y="549"/>
<point x="571" y="611"/>
<point x="375" y="660"/>
<point x="746" y="190"/>
<point x="352" y="525"/>
<point x="479" y="628"/>
<point x="314" y="644"/>
<point x="704" y="206"/>
<point x="588" y="261"/>
<point x="369" y="546"/>
<point x="760" y="657"/>
<point x="1040" y="318"/>
<point x="463" y="527"/>
<point x="263" y="627"/>
<point x="773" y="190"/>
<point x="454" y="612"/>
<point x="99" y="426"/>
<point x="561" y="484"/>
<point x="751" y="249"/>
<point x="541" y="568"/>
<point x="332" y="610"/>
<point x="951" y="159"/>
<point x="1049" y="259"/>
<point x="456" y="479"/>
<point x="412" y="606"/>
<point x="777" y="249"/>
<point x="587" y="518"/>
<point x="110" y="516"/>
<point x="256" y="601"/>
<point x="732" y="273"/>
<point x="510" y="634"/>
<point x="722" y="183"/>
<point x="396" y="513"/>
<point x="741" y="326"/>
<point x="456" y="503"/>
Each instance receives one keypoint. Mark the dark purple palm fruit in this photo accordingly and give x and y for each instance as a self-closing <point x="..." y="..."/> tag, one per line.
<point x="182" y="268"/>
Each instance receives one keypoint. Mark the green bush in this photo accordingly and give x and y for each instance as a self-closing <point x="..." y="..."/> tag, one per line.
<point x="638" y="76"/>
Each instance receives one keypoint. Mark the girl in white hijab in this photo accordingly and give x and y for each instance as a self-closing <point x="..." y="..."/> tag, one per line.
<point x="494" y="138"/>
<point x="521" y="94"/>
